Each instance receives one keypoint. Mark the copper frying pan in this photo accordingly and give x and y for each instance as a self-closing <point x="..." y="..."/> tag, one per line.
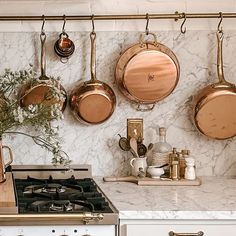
<point x="92" y="102"/>
<point x="42" y="93"/>
<point x="214" y="106"/>
<point x="147" y="72"/>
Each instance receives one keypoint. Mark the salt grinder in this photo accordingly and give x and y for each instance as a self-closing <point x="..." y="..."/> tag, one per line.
<point x="190" y="173"/>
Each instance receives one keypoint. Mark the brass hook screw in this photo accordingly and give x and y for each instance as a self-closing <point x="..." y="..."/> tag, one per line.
<point x="64" y="23"/>
<point x="93" y="27"/>
<point x="182" y="28"/>
<point x="42" y="28"/>
<point x="147" y="23"/>
<point x="219" y="27"/>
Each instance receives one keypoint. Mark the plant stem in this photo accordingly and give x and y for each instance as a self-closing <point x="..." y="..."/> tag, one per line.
<point x="37" y="140"/>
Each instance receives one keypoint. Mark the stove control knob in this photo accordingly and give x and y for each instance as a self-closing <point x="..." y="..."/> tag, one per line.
<point x="20" y="232"/>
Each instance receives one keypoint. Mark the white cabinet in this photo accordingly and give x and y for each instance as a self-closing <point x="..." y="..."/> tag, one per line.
<point x="180" y="228"/>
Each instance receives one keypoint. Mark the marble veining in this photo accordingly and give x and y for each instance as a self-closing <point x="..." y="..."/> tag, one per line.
<point x="98" y="145"/>
<point x="214" y="199"/>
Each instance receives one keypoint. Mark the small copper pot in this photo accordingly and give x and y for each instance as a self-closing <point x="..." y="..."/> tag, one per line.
<point x="64" y="47"/>
<point x="214" y="112"/>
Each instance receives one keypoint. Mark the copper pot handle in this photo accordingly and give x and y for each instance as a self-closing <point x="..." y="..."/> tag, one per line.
<point x="220" y="69"/>
<point x="10" y="155"/>
<point x="142" y="40"/>
<point x="93" y="56"/>
<point x="43" y="59"/>
<point x="61" y="35"/>
<point x="149" y="108"/>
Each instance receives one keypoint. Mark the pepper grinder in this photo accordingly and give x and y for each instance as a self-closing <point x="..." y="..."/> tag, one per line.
<point x="190" y="173"/>
<point x="174" y="165"/>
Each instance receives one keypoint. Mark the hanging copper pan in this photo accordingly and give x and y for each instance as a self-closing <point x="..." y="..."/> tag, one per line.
<point x="147" y="72"/>
<point x="214" y="106"/>
<point x="93" y="102"/>
<point x="42" y="93"/>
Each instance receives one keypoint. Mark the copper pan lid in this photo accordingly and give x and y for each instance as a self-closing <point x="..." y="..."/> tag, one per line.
<point x="150" y="76"/>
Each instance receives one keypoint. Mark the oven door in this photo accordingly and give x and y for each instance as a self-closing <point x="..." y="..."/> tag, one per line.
<point x="62" y="230"/>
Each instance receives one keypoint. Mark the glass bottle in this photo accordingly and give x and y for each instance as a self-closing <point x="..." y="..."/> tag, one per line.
<point x="161" y="149"/>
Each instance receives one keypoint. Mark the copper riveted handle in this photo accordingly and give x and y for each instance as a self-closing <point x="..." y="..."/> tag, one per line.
<point x="149" y="108"/>
<point x="93" y="56"/>
<point x="200" y="233"/>
<point x="142" y="39"/>
<point x="220" y="69"/>
<point x="43" y="59"/>
<point x="10" y="155"/>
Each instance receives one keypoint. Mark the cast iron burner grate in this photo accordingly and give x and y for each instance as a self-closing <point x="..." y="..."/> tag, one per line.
<point x="59" y="196"/>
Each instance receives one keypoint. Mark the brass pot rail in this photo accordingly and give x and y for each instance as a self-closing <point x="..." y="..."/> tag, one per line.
<point x="176" y="16"/>
<point x="86" y="217"/>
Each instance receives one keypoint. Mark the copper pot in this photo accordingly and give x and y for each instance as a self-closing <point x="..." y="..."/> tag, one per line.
<point x="42" y="92"/>
<point x="64" y="47"/>
<point x="92" y="102"/>
<point x="147" y="72"/>
<point x="214" y="106"/>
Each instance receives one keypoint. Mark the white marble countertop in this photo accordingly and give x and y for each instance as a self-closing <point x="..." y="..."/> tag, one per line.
<point x="214" y="199"/>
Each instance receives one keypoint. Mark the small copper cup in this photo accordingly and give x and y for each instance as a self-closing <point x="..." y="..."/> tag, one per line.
<point x="64" y="47"/>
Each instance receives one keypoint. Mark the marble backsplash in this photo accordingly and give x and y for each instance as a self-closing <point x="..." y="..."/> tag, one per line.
<point x="98" y="145"/>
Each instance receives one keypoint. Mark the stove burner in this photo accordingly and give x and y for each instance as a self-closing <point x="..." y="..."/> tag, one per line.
<point x="59" y="195"/>
<point x="48" y="188"/>
<point x="53" y="188"/>
<point x="61" y="206"/>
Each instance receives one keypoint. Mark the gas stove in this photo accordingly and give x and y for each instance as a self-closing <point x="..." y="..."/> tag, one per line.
<point x="63" y="201"/>
<point x="52" y="196"/>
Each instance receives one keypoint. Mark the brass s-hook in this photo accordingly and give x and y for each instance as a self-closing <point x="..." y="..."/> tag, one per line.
<point x="42" y="28"/>
<point x="93" y="27"/>
<point x="64" y="24"/>
<point x="147" y="23"/>
<point x="182" y="28"/>
<point x="219" y="27"/>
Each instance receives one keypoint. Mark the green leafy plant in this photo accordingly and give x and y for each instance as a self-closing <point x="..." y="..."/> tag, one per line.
<point x="39" y="118"/>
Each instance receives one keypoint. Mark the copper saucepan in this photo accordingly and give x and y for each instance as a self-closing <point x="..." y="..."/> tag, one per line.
<point x="147" y="72"/>
<point x="64" y="46"/>
<point x="93" y="102"/>
<point x="42" y="93"/>
<point x="214" y="106"/>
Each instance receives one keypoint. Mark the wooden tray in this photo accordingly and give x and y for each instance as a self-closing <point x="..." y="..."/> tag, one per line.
<point x="7" y="196"/>
<point x="146" y="181"/>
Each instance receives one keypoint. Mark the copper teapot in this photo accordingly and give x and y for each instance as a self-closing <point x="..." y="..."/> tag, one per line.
<point x="3" y="165"/>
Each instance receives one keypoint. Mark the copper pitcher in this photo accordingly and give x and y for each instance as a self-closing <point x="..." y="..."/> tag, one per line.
<point x="3" y="166"/>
